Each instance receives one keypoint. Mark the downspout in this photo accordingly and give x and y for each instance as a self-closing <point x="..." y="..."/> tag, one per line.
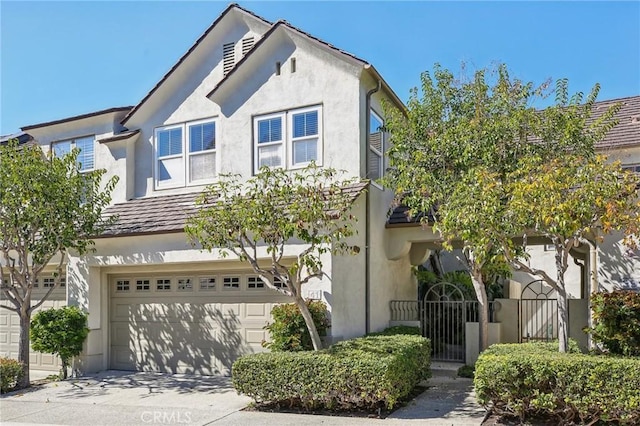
<point x="593" y="280"/>
<point x="367" y="232"/>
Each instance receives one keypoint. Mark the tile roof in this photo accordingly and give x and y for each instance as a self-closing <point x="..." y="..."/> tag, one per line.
<point x="167" y="213"/>
<point x="77" y="117"/>
<point x="120" y="136"/>
<point x="21" y="136"/>
<point x="627" y="132"/>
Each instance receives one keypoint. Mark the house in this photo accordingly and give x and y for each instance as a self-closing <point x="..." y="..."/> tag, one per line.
<point x="528" y="310"/>
<point x="249" y="92"/>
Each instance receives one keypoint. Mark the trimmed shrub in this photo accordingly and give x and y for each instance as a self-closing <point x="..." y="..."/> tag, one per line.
<point x="528" y="380"/>
<point x="289" y="332"/>
<point x="60" y="332"/>
<point x="551" y="346"/>
<point x="10" y="374"/>
<point x="368" y="372"/>
<point x="616" y="317"/>
<point x="398" y="329"/>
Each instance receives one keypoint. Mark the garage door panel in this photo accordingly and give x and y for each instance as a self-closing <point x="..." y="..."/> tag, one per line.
<point x="202" y="330"/>
<point x="10" y="331"/>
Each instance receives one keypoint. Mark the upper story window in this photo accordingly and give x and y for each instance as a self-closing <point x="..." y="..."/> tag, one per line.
<point x="86" y="156"/>
<point x="294" y="136"/>
<point x="185" y="154"/>
<point x="375" y="168"/>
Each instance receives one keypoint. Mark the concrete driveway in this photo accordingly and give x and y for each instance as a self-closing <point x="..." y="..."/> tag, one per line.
<point x="135" y="398"/>
<point x="124" y="398"/>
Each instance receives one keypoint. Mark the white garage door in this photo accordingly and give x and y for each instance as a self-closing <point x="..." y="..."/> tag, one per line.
<point x="187" y="323"/>
<point x="10" y="326"/>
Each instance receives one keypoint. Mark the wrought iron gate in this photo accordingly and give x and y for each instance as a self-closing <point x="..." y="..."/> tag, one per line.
<point x="443" y="317"/>
<point x="538" y="312"/>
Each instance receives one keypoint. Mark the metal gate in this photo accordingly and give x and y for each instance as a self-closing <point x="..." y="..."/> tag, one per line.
<point x="538" y="312"/>
<point x="443" y="317"/>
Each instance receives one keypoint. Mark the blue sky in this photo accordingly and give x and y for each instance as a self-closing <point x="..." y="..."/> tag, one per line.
<point x="60" y="59"/>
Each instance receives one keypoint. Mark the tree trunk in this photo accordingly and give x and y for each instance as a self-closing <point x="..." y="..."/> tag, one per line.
<point x="563" y="307"/>
<point x="23" y="349"/>
<point x="563" y="318"/>
<point x="65" y="367"/>
<point x="483" y="317"/>
<point x="311" y="326"/>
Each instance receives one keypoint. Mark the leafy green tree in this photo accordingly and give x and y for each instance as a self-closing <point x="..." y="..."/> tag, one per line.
<point x="569" y="200"/>
<point x="47" y="207"/>
<point x="60" y="332"/>
<point x="255" y="219"/>
<point x="454" y="134"/>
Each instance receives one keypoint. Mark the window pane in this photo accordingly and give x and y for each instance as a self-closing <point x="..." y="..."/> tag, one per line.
<point x="305" y="151"/>
<point x="270" y="156"/>
<point x="305" y="124"/>
<point x="375" y="125"/>
<point x="172" y="170"/>
<point x="170" y="142"/>
<point x="375" y="165"/>
<point x="202" y="137"/>
<point x="60" y="149"/>
<point x="270" y="130"/>
<point x="202" y="166"/>
<point x="85" y="157"/>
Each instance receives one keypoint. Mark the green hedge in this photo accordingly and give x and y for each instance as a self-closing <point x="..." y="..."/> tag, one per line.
<point x="529" y="380"/>
<point x="368" y="372"/>
<point x="398" y="329"/>
<point x="10" y="374"/>
<point x="616" y="316"/>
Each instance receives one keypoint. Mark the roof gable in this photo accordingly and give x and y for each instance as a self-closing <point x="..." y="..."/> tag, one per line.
<point x="272" y="36"/>
<point x="229" y="11"/>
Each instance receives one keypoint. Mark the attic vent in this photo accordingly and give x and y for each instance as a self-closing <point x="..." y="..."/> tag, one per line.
<point x="247" y="44"/>
<point x="228" y="57"/>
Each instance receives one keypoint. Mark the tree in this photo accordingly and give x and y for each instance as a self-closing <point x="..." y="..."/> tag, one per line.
<point x="47" y="207"/>
<point x="256" y="219"/>
<point x="574" y="198"/>
<point x="60" y="332"/>
<point x="455" y="134"/>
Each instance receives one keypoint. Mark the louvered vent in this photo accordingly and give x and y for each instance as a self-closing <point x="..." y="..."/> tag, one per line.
<point x="228" y="57"/>
<point x="247" y="44"/>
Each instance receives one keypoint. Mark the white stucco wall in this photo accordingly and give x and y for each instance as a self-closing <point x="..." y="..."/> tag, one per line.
<point x="320" y="79"/>
<point x="390" y="279"/>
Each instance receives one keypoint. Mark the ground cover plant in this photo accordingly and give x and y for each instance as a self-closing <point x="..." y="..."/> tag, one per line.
<point x="371" y="373"/>
<point x="534" y="380"/>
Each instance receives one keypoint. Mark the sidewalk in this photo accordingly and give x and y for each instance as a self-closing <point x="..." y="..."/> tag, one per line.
<point x="130" y="398"/>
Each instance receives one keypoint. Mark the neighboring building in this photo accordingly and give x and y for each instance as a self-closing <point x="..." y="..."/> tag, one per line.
<point x="248" y="93"/>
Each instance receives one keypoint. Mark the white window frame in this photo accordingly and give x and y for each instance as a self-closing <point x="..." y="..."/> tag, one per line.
<point x="187" y="284"/>
<point x="231" y="278"/>
<point x="72" y="145"/>
<point x="258" y="281"/>
<point x="185" y="155"/>
<point x="190" y="154"/>
<point x="371" y="149"/>
<point x="287" y="141"/>
<point x="281" y="142"/>
<point x="208" y="287"/>
<point x="291" y="139"/>
<point x="634" y="168"/>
